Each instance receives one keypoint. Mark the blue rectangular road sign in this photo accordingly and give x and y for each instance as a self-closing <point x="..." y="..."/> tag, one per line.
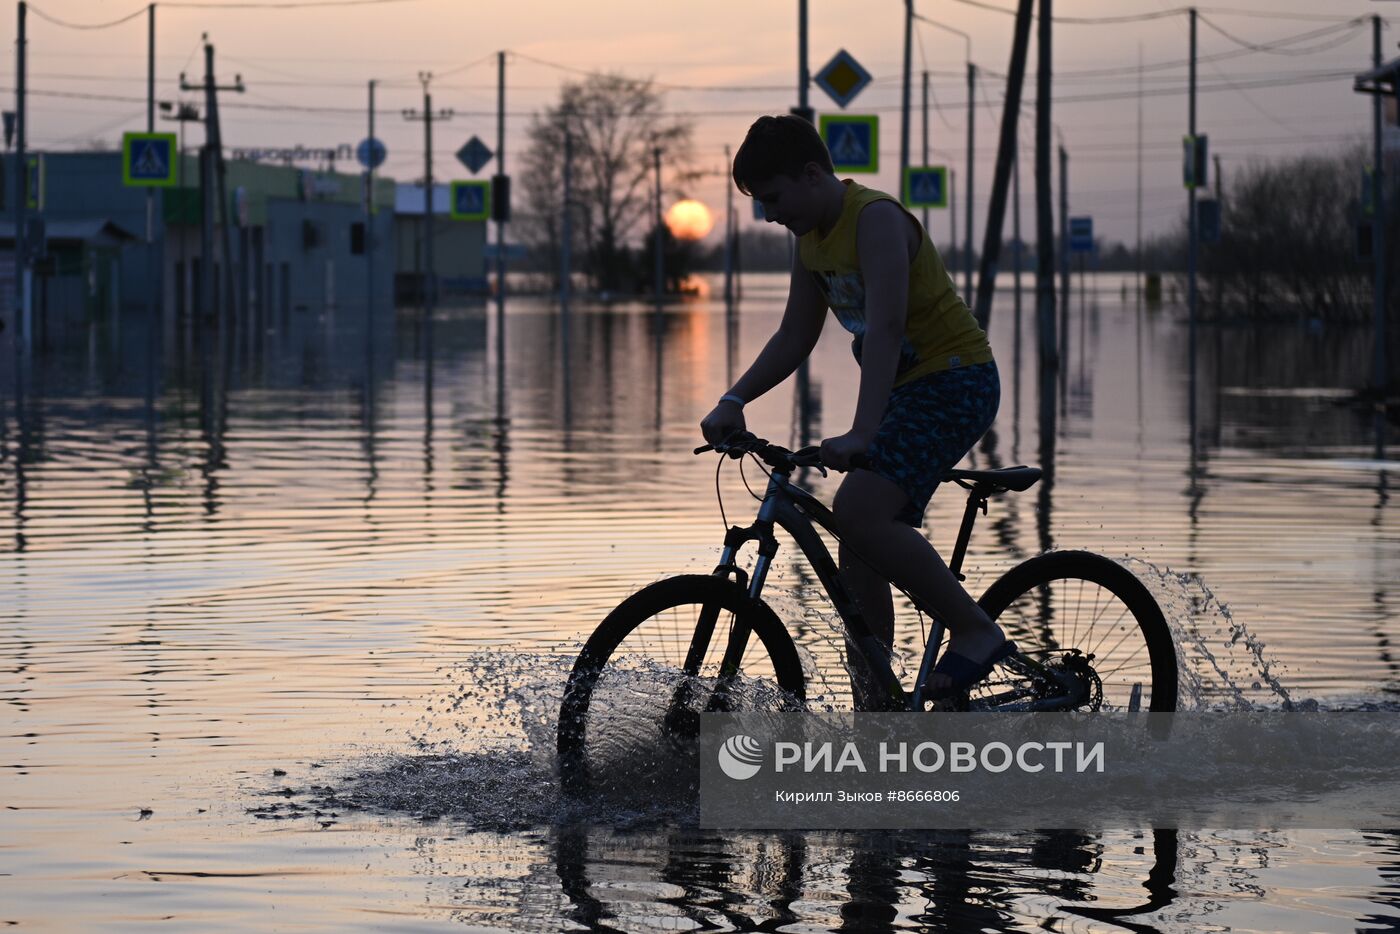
<point x="926" y="186"/>
<point x="1081" y="235"/>
<point x="148" y="160"/>
<point x="471" y="201"/>
<point x="852" y="140"/>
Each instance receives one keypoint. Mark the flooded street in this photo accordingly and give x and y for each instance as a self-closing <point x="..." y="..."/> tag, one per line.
<point x="287" y="617"/>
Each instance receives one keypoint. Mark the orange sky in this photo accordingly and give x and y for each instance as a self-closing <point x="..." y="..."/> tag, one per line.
<point x="322" y="57"/>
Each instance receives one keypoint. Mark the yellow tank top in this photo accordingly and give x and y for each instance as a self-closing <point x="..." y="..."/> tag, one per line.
<point x="939" y="330"/>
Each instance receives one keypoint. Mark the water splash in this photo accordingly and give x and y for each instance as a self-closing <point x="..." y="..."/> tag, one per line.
<point x="1222" y="664"/>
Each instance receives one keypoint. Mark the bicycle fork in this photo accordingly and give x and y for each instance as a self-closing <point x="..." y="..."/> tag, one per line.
<point x="739" y="633"/>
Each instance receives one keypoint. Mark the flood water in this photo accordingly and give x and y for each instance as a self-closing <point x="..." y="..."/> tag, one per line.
<point x="286" y="618"/>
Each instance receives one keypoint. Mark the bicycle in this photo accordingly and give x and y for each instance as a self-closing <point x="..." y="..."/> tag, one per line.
<point x="656" y="655"/>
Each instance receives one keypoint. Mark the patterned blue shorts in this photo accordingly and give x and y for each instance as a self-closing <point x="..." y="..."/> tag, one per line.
<point x="929" y="425"/>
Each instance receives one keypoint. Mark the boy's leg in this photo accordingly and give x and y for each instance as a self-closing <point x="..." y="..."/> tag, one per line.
<point x="871" y="593"/>
<point x="866" y="506"/>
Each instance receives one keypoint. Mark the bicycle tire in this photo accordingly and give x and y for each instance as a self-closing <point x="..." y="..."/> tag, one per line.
<point x="1041" y="604"/>
<point x="627" y="660"/>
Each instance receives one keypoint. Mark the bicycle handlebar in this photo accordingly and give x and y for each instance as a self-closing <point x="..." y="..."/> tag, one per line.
<point x="780" y="458"/>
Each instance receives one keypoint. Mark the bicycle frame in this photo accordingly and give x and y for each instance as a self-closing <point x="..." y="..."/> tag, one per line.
<point x="795" y="510"/>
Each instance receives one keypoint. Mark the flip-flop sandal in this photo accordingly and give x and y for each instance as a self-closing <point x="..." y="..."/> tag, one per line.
<point x="964" y="672"/>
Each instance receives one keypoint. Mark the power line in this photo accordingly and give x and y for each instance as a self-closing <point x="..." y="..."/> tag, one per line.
<point x="1162" y="14"/>
<point x="70" y="25"/>
<point x="1278" y="81"/>
<point x="189" y="5"/>
<point x="1279" y="47"/>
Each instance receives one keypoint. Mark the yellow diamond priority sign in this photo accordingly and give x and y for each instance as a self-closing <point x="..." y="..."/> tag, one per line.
<point x="842" y="78"/>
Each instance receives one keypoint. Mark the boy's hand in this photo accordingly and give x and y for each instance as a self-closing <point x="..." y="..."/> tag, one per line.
<point x="838" y="451"/>
<point x="723" y="420"/>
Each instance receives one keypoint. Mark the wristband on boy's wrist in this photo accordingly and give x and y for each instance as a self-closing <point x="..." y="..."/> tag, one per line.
<point x="731" y="397"/>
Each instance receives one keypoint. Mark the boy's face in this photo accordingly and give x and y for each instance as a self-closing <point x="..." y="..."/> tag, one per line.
<point x="791" y="201"/>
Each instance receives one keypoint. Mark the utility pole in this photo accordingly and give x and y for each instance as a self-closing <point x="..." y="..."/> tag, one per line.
<point x="214" y="188"/>
<point x="566" y="264"/>
<point x="952" y="207"/>
<point x="1064" y="234"/>
<point x="183" y="113"/>
<point x="1138" y="250"/>
<point x="656" y="154"/>
<point x="369" y="225"/>
<point x="1379" y="364"/>
<point x="904" y="122"/>
<point x="971" y="131"/>
<point x="1191" y="226"/>
<point x="1044" y="219"/>
<point x="1006" y="157"/>
<point x="729" y="227"/>
<point x="21" y="184"/>
<point x="427" y="116"/>
<point x="925" y="126"/>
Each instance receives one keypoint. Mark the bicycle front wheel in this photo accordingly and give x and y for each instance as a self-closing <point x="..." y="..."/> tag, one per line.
<point x="1091" y="637"/>
<point x="680" y="647"/>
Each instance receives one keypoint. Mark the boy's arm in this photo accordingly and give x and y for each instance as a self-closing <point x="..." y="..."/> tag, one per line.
<point x="797" y="334"/>
<point x="883" y="248"/>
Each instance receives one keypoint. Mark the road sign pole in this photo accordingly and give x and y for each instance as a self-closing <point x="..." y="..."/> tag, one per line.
<point x="21" y="183"/>
<point x="501" y="169"/>
<point x="971" y="132"/>
<point x="155" y="283"/>
<point x="1191" y="231"/>
<point x="802" y="79"/>
<point x="953" y="222"/>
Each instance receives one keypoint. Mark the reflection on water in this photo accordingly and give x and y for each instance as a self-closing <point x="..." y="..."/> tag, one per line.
<point x="316" y="578"/>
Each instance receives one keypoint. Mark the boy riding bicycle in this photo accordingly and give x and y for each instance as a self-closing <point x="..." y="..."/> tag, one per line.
<point x="928" y="385"/>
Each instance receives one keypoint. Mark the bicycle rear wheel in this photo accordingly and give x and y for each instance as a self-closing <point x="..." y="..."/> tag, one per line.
<point x="630" y="715"/>
<point x="1091" y="637"/>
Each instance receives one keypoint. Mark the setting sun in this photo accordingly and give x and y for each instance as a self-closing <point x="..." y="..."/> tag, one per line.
<point x="689" y="220"/>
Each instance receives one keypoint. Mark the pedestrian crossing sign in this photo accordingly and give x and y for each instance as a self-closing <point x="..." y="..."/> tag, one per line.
<point x="853" y="141"/>
<point x="471" y="201"/>
<point x="148" y="160"/>
<point x="926" y="186"/>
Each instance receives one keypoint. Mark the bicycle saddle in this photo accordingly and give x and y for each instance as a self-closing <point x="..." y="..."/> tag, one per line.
<point x="1004" y="478"/>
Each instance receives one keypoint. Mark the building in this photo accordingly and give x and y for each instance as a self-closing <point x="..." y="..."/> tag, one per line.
<point x="298" y="240"/>
<point x="459" y="247"/>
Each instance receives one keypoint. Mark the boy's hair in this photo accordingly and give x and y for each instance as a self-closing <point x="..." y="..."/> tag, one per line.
<point x="776" y="146"/>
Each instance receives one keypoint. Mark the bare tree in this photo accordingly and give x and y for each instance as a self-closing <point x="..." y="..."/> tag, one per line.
<point x="614" y="124"/>
<point x="1288" y="242"/>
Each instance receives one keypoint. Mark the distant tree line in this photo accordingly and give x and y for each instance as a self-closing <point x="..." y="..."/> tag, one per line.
<point x="1289" y="242"/>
